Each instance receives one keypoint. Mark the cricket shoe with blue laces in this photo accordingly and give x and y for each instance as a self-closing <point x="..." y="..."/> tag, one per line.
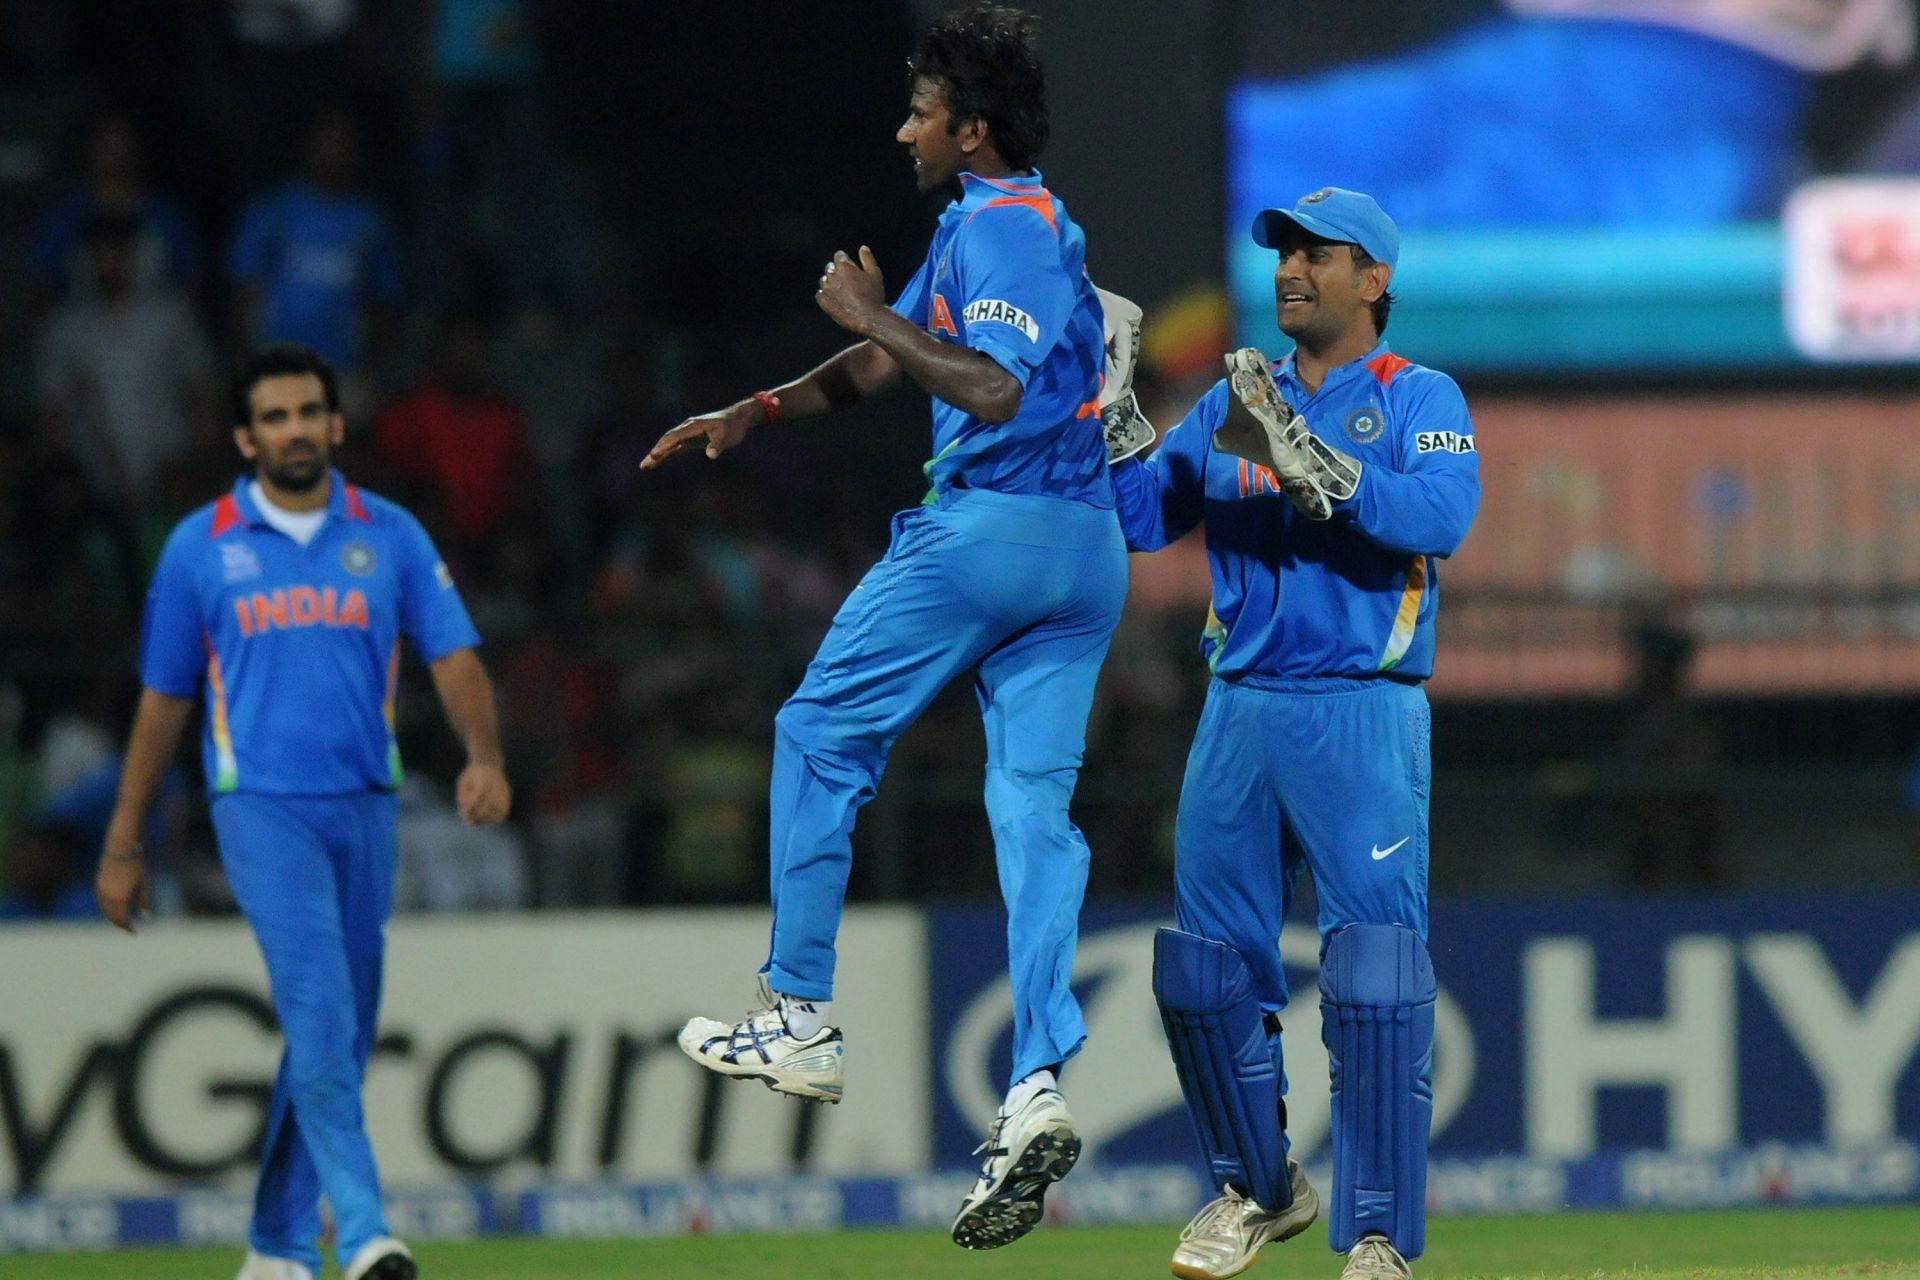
<point x="1027" y="1151"/>
<point x="763" y="1048"/>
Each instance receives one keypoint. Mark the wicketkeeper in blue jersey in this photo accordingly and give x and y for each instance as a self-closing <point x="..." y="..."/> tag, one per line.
<point x="1013" y="570"/>
<point x="1331" y="483"/>
<point x="286" y="601"/>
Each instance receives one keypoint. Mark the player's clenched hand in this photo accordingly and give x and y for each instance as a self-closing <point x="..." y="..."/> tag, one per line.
<point x="482" y="795"/>
<point x="120" y="887"/>
<point x="720" y="431"/>
<point x="852" y="292"/>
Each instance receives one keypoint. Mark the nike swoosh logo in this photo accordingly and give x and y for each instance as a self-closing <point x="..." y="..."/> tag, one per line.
<point x="1379" y="853"/>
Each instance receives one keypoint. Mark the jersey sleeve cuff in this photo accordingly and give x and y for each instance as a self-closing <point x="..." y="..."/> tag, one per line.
<point x="432" y="653"/>
<point x="1003" y="355"/>
<point x="186" y="688"/>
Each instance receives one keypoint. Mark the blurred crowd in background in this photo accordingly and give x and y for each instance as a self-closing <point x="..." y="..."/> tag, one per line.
<point x="526" y="269"/>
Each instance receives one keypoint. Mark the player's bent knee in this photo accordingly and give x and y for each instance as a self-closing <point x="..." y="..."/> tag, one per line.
<point x="1020" y="796"/>
<point x="1377" y="965"/>
<point x="1198" y="975"/>
<point x="835" y="744"/>
<point x="1377" y="993"/>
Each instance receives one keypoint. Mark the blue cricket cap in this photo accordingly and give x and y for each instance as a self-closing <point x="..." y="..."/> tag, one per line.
<point x="1334" y="213"/>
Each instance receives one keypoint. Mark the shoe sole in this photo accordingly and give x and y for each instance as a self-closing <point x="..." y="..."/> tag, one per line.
<point x="394" y="1266"/>
<point x="783" y="1082"/>
<point x="1311" y="1201"/>
<point x="1017" y="1207"/>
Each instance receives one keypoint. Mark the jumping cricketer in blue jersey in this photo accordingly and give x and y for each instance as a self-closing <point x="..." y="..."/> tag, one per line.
<point x="286" y="601"/>
<point x="1013" y="569"/>
<point x="1330" y="485"/>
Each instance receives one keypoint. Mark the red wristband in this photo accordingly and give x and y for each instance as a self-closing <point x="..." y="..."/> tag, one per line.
<point x="770" y="403"/>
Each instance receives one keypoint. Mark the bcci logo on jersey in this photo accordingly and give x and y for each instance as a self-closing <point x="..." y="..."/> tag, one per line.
<point x="1002" y="313"/>
<point x="1364" y="425"/>
<point x="357" y="558"/>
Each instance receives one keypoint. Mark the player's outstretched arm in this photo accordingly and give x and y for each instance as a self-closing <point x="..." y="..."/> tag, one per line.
<point x="482" y="795"/>
<point x="854" y="294"/>
<point x="853" y="374"/>
<point x="1161" y="498"/>
<point x="120" y="885"/>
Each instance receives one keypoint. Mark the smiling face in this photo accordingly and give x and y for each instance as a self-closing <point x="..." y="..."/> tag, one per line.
<point x="291" y="433"/>
<point x="1321" y="295"/>
<point x="939" y="150"/>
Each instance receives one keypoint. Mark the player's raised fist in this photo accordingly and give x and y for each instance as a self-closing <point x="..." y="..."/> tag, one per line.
<point x="852" y="292"/>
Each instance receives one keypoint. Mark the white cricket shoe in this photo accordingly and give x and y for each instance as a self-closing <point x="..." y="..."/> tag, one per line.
<point x="264" y="1266"/>
<point x="1224" y="1238"/>
<point x="382" y="1258"/>
<point x="1026" y="1153"/>
<point x="1375" y="1258"/>
<point x="761" y="1048"/>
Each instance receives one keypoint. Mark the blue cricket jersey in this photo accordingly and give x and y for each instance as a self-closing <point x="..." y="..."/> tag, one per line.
<point x="317" y="256"/>
<point x="1006" y="275"/>
<point x="1351" y="596"/>
<point x="299" y="646"/>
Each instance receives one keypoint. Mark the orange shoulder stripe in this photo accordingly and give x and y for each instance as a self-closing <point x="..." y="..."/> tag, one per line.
<point x="226" y="515"/>
<point x="1041" y="204"/>
<point x="1386" y="366"/>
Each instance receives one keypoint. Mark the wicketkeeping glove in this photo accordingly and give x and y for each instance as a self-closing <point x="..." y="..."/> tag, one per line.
<point x="1263" y="428"/>
<point x="1126" y="427"/>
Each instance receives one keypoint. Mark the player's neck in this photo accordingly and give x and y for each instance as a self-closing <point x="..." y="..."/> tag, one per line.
<point x="1310" y="364"/>
<point x="986" y="163"/>
<point x="312" y="500"/>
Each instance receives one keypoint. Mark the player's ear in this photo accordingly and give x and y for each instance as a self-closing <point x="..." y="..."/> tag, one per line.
<point x="243" y="440"/>
<point x="972" y="135"/>
<point x="336" y="429"/>
<point x="1374" y="278"/>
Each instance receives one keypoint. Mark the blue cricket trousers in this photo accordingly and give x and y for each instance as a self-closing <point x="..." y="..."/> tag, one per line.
<point x="314" y="876"/>
<point x="1328" y="774"/>
<point x="1025" y="591"/>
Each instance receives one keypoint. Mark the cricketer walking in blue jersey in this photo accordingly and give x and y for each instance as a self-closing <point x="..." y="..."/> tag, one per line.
<point x="286" y="601"/>
<point x="1012" y="568"/>
<point x="299" y="647"/>
<point x="1312" y="749"/>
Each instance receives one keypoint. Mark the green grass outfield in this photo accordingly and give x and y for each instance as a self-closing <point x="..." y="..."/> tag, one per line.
<point x="1592" y="1246"/>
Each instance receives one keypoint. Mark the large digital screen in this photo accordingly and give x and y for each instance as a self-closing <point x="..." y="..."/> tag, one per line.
<point x="1596" y="186"/>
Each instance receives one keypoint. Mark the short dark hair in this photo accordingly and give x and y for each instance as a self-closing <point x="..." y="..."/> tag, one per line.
<point x="277" y="359"/>
<point x="986" y="59"/>
<point x="1383" y="305"/>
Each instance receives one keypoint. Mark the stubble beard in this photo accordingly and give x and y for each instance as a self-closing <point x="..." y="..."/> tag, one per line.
<point x="301" y="476"/>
